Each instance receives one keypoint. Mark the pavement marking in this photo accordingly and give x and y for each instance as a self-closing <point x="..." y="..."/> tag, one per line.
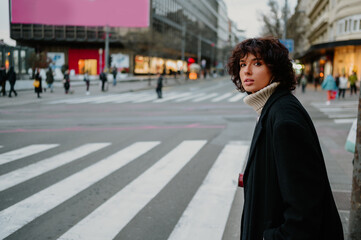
<point x="237" y="97"/>
<point x="109" y="219"/>
<point x="24" y="152"/>
<point x="216" y="193"/>
<point x="220" y="98"/>
<point x="168" y="98"/>
<point x="23" y="174"/>
<point x="346" y="120"/>
<point x="205" y="97"/>
<point x="336" y="109"/>
<point x="25" y="211"/>
<point x="189" y="97"/>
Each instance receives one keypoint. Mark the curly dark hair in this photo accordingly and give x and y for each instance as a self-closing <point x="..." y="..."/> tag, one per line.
<point x="273" y="53"/>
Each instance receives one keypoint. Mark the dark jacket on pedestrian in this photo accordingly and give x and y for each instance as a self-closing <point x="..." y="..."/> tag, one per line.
<point x="11" y="76"/>
<point x="40" y="88"/>
<point x="286" y="188"/>
<point x="49" y="76"/>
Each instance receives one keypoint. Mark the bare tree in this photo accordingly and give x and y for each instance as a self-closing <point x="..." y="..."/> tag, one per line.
<point x="272" y="21"/>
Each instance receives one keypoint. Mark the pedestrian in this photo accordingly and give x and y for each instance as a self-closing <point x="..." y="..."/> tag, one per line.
<point x="11" y="76"/>
<point x="353" y="79"/>
<point x="342" y="86"/>
<point x="316" y="80"/>
<point x="159" y="85"/>
<point x="3" y="80"/>
<point x="287" y="194"/>
<point x="87" y="82"/>
<point x="50" y="79"/>
<point x="329" y="84"/>
<point x="37" y="83"/>
<point x="303" y="81"/>
<point x="66" y="81"/>
<point x="104" y="79"/>
<point x="114" y="72"/>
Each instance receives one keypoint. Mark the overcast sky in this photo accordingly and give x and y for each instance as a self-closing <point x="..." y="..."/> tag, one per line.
<point x="246" y="13"/>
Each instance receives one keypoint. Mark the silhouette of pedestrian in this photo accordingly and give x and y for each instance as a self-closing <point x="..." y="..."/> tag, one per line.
<point x="50" y="79"/>
<point x="66" y="81"/>
<point x="3" y="80"/>
<point x="87" y="82"/>
<point x="12" y="80"/>
<point x="353" y="79"/>
<point x="159" y="85"/>
<point x="104" y="79"/>
<point x="38" y="88"/>
<point x="114" y="72"/>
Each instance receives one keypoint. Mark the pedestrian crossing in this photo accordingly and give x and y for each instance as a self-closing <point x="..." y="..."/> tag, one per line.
<point x="104" y="222"/>
<point x="340" y="112"/>
<point x="150" y="97"/>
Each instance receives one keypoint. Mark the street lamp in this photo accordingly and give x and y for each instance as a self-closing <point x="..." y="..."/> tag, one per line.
<point x="285" y="21"/>
<point x="100" y="59"/>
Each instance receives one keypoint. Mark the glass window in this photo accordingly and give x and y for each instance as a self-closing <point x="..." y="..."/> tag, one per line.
<point x="359" y="25"/>
<point x="355" y="25"/>
<point x="346" y="25"/>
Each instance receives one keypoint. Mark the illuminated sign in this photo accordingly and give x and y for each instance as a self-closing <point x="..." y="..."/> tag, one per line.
<point x="114" y="13"/>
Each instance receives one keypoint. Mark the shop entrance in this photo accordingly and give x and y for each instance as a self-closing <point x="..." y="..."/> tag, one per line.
<point x="87" y="65"/>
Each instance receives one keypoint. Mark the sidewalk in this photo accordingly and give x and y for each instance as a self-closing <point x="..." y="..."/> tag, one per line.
<point x="332" y="137"/>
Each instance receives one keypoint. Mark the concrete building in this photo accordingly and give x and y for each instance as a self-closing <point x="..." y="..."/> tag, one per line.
<point x="334" y="37"/>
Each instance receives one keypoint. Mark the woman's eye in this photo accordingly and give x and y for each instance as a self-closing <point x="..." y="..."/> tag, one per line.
<point x="258" y="64"/>
<point x="242" y="64"/>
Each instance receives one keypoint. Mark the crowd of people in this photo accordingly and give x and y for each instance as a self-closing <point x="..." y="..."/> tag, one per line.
<point x="335" y="86"/>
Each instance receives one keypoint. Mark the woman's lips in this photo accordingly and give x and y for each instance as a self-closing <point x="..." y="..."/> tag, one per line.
<point x="248" y="82"/>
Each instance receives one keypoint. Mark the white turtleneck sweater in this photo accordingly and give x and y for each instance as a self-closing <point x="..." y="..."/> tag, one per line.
<point x="258" y="99"/>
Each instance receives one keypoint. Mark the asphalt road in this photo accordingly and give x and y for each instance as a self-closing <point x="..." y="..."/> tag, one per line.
<point x="126" y="165"/>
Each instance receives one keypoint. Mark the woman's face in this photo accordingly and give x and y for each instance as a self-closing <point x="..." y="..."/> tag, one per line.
<point x="254" y="73"/>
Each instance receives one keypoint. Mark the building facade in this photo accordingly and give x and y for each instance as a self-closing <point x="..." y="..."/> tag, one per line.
<point x="180" y="32"/>
<point x="334" y="37"/>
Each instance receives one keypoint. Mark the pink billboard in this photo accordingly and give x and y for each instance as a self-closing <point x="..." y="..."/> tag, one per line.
<point x="114" y="13"/>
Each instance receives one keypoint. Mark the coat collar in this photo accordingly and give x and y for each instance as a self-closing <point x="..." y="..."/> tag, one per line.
<point x="279" y="92"/>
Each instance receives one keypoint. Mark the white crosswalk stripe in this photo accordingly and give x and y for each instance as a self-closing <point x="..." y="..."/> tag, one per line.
<point x="24" y="152"/>
<point x="150" y="97"/>
<point x="217" y="191"/>
<point x="15" y="177"/>
<point x="16" y="216"/>
<point x="341" y="112"/>
<point x="127" y="203"/>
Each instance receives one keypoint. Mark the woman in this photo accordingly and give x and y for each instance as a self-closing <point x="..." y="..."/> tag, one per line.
<point x="342" y="86"/>
<point x="50" y="79"/>
<point x="329" y="84"/>
<point x="286" y="188"/>
<point x="12" y="80"/>
<point x="38" y="88"/>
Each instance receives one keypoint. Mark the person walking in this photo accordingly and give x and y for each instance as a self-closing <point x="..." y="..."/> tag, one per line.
<point x="342" y="86"/>
<point x="159" y="85"/>
<point x="66" y="81"/>
<point x="353" y="79"/>
<point x="104" y="79"/>
<point x="329" y="84"/>
<point x="11" y="76"/>
<point x="303" y="81"/>
<point x="114" y="72"/>
<point x="87" y="82"/>
<point x="50" y="79"/>
<point x="287" y="194"/>
<point x="37" y="83"/>
<point x="3" y="80"/>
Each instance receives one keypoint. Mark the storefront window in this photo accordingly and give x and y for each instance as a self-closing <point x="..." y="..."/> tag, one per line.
<point x="87" y="66"/>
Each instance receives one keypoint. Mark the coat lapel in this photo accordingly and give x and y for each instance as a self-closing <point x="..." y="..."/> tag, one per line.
<point x="259" y="126"/>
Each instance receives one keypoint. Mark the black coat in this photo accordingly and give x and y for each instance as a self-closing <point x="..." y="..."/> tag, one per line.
<point x="286" y="188"/>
